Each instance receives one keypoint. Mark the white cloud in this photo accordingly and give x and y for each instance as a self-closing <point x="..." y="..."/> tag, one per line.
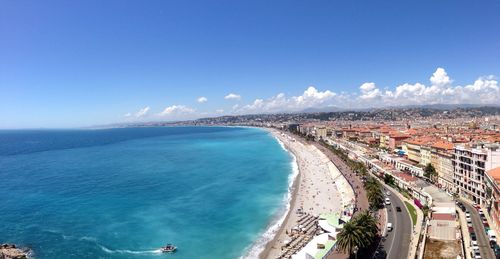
<point x="440" y="78"/>
<point x="485" y="90"/>
<point x="176" y="110"/>
<point x="440" y="89"/>
<point x="369" y="91"/>
<point x="279" y="103"/>
<point x="202" y="99"/>
<point x="139" y="114"/>
<point x="232" y="96"/>
<point x="142" y="112"/>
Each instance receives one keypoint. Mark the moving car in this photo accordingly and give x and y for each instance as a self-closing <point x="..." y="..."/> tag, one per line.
<point x="398" y="209"/>
<point x="389" y="226"/>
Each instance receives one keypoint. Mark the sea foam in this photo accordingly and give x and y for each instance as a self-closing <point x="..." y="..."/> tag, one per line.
<point x="258" y="246"/>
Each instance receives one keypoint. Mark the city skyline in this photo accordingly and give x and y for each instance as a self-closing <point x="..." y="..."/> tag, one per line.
<point x="91" y="63"/>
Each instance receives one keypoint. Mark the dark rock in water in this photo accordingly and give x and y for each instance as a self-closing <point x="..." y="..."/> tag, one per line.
<point x="10" y="251"/>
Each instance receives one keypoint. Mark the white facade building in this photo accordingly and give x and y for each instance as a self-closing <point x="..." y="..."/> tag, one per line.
<point x="469" y="166"/>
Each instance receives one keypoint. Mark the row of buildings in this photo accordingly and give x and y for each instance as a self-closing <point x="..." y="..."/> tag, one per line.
<point x="466" y="158"/>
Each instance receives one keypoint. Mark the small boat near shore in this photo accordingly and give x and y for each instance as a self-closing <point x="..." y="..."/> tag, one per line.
<point x="169" y="248"/>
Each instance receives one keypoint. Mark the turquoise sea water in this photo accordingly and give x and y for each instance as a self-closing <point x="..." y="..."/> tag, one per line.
<point x="123" y="193"/>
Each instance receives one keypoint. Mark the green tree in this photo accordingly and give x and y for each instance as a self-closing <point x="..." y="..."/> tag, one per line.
<point x="389" y="179"/>
<point x="375" y="198"/>
<point x="371" y="184"/>
<point x="430" y="172"/>
<point x="374" y="193"/>
<point x="350" y="236"/>
<point x="369" y="224"/>
<point x="360" y="232"/>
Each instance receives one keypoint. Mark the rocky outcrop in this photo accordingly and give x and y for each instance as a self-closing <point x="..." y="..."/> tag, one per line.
<point x="9" y="251"/>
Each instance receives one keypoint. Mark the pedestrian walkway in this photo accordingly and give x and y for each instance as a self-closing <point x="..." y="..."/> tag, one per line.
<point x="356" y="183"/>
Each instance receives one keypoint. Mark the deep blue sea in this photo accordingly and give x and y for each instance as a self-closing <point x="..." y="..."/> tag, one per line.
<point x="123" y="193"/>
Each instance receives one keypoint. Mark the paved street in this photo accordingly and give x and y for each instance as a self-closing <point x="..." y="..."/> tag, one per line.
<point x="482" y="239"/>
<point x="397" y="241"/>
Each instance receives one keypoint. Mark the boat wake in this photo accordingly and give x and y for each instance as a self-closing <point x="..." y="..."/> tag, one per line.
<point x="124" y="251"/>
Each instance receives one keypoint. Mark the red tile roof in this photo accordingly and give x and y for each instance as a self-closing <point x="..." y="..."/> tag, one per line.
<point x="442" y="216"/>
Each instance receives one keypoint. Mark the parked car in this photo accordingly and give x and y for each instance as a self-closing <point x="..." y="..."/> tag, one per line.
<point x="467" y="213"/>
<point x="469" y="224"/>
<point x="491" y="235"/>
<point x="387" y="201"/>
<point x="493" y="244"/>
<point x="389" y="226"/>
<point x="473" y="236"/>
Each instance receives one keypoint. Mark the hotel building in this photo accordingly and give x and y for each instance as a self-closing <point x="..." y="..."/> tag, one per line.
<point x="469" y="166"/>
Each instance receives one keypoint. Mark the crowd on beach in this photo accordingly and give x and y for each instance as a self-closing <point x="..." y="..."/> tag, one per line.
<point x="319" y="189"/>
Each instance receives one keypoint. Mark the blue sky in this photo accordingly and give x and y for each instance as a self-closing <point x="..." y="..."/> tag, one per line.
<point x="79" y="63"/>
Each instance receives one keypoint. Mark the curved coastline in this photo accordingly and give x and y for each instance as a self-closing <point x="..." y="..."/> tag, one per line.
<point x="262" y="244"/>
<point x="319" y="188"/>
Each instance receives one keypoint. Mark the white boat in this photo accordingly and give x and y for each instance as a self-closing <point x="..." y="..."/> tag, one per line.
<point x="169" y="248"/>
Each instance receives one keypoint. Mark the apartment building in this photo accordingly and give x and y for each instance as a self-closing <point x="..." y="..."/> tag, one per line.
<point x="412" y="149"/>
<point x="492" y="183"/>
<point x="469" y="166"/>
<point x="425" y="155"/>
<point x="321" y="132"/>
<point x="441" y="159"/>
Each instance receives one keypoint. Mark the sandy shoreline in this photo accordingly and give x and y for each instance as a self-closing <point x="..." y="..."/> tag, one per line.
<point x="318" y="188"/>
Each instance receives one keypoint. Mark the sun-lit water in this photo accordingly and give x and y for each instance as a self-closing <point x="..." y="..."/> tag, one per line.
<point x="123" y="193"/>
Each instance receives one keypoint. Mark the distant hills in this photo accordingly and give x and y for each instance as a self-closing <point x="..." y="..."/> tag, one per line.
<point x="424" y="106"/>
<point x="410" y="112"/>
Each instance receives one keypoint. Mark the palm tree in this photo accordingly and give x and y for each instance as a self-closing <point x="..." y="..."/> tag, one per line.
<point x="371" y="182"/>
<point x="375" y="198"/>
<point x="359" y="232"/>
<point x="369" y="224"/>
<point x="350" y="236"/>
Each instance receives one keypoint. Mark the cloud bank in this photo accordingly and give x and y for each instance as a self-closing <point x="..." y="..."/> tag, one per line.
<point x="439" y="90"/>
